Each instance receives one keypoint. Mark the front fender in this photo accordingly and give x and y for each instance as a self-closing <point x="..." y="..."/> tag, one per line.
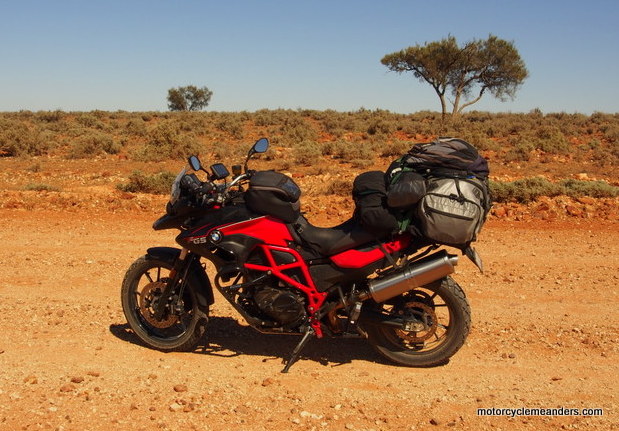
<point x="197" y="275"/>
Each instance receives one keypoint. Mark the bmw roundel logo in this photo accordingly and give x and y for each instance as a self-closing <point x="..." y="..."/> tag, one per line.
<point x="216" y="236"/>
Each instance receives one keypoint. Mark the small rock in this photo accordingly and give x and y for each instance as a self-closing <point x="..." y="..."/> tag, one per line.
<point x="573" y="211"/>
<point x="68" y="387"/>
<point x="180" y="388"/>
<point x="434" y="421"/>
<point x="350" y="427"/>
<point x="175" y="407"/>
<point x="556" y="378"/>
<point x="268" y="381"/>
<point x="32" y="379"/>
<point x="512" y="356"/>
<point x="77" y="379"/>
<point x="93" y="373"/>
<point x="499" y="212"/>
<point x="586" y="200"/>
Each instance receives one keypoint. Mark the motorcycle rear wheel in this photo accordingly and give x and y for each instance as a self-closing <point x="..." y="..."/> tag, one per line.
<point x="446" y="314"/>
<point x="175" y="331"/>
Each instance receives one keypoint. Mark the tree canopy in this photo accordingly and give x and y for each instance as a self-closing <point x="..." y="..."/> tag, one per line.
<point x="189" y="98"/>
<point x="492" y="65"/>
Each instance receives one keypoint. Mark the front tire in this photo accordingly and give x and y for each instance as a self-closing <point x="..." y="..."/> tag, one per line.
<point x="177" y="330"/>
<point x="444" y="317"/>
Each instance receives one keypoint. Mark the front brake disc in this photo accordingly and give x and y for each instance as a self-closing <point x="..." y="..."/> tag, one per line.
<point x="148" y="296"/>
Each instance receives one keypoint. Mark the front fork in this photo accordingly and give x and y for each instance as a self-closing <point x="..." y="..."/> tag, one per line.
<point x="172" y="290"/>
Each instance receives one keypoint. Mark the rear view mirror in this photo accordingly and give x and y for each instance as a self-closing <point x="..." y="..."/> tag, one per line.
<point x="261" y="145"/>
<point x="195" y="164"/>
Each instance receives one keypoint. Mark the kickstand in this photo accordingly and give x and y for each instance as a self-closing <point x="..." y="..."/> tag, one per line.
<point x="295" y="353"/>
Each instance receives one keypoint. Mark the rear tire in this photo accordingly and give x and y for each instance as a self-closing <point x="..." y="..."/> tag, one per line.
<point x="443" y="307"/>
<point x="178" y="331"/>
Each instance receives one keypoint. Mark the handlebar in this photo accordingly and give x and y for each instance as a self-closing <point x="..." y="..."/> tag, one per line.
<point x="207" y="192"/>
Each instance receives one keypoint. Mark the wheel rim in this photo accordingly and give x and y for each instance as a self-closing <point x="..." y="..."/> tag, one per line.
<point x="428" y="318"/>
<point x="146" y="290"/>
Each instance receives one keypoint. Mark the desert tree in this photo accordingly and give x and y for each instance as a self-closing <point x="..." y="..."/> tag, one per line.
<point x="492" y="65"/>
<point x="188" y="98"/>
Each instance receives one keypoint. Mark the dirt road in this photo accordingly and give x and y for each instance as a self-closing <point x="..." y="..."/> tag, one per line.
<point x="545" y="335"/>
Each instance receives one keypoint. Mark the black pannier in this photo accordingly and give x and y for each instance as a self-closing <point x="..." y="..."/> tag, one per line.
<point x="439" y="190"/>
<point x="275" y="194"/>
<point x="369" y="192"/>
<point x="406" y="190"/>
<point x="447" y="157"/>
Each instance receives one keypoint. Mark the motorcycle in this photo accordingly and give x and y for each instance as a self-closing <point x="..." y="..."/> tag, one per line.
<point x="285" y="276"/>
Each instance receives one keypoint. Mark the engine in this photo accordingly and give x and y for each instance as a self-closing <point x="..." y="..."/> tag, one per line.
<point x="285" y="306"/>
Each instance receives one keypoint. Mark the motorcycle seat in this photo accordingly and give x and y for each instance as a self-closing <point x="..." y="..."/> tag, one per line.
<point x="328" y="241"/>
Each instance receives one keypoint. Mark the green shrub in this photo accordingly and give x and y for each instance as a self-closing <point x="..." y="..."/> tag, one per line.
<point x="594" y="189"/>
<point x="521" y="152"/>
<point x="341" y="187"/>
<point x="90" y="120"/>
<point x="296" y="129"/>
<point x="528" y="189"/>
<point x="231" y="124"/>
<point x="361" y="163"/>
<point x="166" y="141"/>
<point x="19" y="139"/>
<point x="306" y="152"/>
<point x="395" y="149"/>
<point x="139" y="182"/>
<point x="136" y="128"/>
<point x="523" y="191"/>
<point x="93" y="144"/>
<point x="38" y="187"/>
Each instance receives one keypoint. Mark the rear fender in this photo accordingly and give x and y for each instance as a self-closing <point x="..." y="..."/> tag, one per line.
<point x="197" y="275"/>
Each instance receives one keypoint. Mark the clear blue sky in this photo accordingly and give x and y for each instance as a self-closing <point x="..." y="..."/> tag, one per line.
<point x="320" y="54"/>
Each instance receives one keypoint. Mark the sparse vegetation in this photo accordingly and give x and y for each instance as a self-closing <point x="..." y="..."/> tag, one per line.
<point x="139" y="182"/>
<point x="528" y="189"/>
<point x="40" y="187"/>
<point x="525" y="144"/>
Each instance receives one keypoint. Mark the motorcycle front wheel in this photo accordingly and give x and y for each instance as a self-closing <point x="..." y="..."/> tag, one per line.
<point x="438" y="320"/>
<point x="181" y="326"/>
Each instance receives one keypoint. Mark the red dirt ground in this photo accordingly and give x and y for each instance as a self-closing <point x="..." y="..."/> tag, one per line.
<point x="545" y="334"/>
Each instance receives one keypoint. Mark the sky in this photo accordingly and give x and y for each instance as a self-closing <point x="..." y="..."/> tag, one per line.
<point x="292" y="54"/>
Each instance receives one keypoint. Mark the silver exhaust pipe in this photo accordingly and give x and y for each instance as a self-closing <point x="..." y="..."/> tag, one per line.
<point x="419" y="273"/>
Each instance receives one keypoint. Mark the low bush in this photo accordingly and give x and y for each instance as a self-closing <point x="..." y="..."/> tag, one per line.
<point x="306" y="152"/>
<point x="341" y="187"/>
<point x="594" y="189"/>
<point x="39" y="187"/>
<point x="166" y="141"/>
<point x="93" y="144"/>
<point x="158" y="184"/>
<point x="20" y="139"/>
<point x="529" y="189"/>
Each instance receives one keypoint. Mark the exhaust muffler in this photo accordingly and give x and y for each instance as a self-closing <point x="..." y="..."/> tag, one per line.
<point x="419" y="273"/>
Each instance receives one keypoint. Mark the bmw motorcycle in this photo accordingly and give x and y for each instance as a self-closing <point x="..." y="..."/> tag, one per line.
<point x="285" y="276"/>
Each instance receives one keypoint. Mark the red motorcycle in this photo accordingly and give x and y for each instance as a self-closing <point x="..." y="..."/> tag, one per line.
<point x="286" y="276"/>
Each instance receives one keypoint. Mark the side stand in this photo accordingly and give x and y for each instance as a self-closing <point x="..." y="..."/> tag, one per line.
<point x="295" y="353"/>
